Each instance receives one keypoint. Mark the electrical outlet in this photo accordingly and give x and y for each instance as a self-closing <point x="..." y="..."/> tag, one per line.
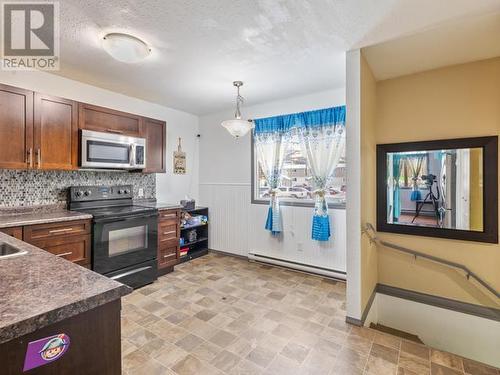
<point x="300" y="246"/>
<point x="141" y="192"/>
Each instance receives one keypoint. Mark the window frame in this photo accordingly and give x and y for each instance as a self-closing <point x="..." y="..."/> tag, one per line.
<point x="284" y="201"/>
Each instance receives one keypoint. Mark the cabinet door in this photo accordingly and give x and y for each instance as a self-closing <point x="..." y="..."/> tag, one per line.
<point x="16" y="232"/>
<point x="107" y="120"/>
<point x="156" y="144"/>
<point x="76" y="249"/>
<point x="16" y="127"/>
<point x="55" y="133"/>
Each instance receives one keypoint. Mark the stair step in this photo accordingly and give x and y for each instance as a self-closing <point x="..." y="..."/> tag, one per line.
<point x="396" y="332"/>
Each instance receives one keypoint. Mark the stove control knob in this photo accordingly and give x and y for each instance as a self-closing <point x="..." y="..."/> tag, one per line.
<point x="120" y="191"/>
<point x="79" y="193"/>
<point x="126" y="191"/>
<point x="88" y="193"/>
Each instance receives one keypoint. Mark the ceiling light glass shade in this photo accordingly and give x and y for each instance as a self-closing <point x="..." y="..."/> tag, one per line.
<point x="237" y="127"/>
<point x="125" y="48"/>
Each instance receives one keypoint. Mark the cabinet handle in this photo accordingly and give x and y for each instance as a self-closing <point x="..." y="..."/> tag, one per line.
<point x="30" y="158"/>
<point x="114" y="131"/>
<point x="64" y="254"/>
<point x="167" y="216"/>
<point x="169" y="256"/>
<point x="61" y="230"/>
<point x="170" y="232"/>
<point x="39" y="158"/>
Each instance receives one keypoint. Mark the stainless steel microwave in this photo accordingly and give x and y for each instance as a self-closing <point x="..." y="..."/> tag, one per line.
<point x="112" y="151"/>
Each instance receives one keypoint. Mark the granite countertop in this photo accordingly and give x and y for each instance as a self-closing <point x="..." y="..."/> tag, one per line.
<point x="30" y="216"/>
<point x="158" y="205"/>
<point x="38" y="289"/>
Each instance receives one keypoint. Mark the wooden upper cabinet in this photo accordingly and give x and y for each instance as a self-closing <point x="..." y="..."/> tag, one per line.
<point x="16" y="127"/>
<point x="156" y="143"/>
<point x="55" y="140"/>
<point x="107" y="120"/>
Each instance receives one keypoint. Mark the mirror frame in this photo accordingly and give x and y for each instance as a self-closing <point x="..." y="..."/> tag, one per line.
<point x="490" y="189"/>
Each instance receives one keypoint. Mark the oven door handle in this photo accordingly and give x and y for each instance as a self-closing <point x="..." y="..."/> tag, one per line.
<point x="128" y="273"/>
<point x="116" y="219"/>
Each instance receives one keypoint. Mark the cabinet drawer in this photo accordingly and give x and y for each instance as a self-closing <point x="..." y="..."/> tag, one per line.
<point x="167" y="231"/>
<point x="42" y="231"/>
<point x="169" y="215"/>
<point x="16" y="232"/>
<point x="167" y="255"/>
<point x="73" y="248"/>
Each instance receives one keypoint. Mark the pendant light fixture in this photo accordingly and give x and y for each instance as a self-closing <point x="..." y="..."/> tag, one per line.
<point x="238" y="127"/>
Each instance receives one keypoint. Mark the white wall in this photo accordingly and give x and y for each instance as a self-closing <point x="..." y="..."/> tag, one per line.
<point x="451" y="331"/>
<point x="353" y="204"/>
<point x="237" y="226"/>
<point x="169" y="187"/>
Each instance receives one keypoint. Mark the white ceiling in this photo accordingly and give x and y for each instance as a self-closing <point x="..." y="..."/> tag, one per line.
<point x="280" y="48"/>
<point x="454" y="42"/>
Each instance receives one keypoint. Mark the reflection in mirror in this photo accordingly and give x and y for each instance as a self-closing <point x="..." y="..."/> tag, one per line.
<point x="437" y="188"/>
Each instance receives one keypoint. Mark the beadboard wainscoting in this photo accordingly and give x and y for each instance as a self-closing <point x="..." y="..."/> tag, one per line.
<point x="237" y="227"/>
<point x="33" y="188"/>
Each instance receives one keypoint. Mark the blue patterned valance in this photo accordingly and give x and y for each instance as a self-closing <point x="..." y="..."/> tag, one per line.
<point x="284" y="123"/>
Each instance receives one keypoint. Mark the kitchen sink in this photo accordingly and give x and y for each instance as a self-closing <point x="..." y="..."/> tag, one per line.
<point x="7" y="251"/>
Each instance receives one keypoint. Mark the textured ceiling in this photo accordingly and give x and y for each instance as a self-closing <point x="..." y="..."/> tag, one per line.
<point x="280" y="48"/>
<point x="454" y="42"/>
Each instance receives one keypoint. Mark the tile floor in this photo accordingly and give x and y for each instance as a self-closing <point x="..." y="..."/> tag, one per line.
<point x="224" y="315"/>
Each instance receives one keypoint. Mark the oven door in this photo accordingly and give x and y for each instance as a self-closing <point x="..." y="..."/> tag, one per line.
<point x="121" y="242"/>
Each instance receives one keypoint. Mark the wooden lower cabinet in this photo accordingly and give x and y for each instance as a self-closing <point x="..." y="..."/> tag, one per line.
<point x="168" y="240"/>
<point x="94" y="345"/>
<point x="16" y="232"/>
<point x="73" y="248"/>
<point x="69" y="240"/>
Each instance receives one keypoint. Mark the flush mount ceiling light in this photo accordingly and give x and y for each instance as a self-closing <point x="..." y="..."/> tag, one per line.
<point x="238" y="127"/>
<point x="125" y="48"/>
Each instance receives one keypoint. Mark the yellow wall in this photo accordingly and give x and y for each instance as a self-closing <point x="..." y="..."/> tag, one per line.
<point x="369" y="275"/>
<point x="452" y="102"/>
<point x="476" y="189"/>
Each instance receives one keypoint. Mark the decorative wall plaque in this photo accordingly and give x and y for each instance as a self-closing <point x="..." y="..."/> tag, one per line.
<point x="179" y="160"/>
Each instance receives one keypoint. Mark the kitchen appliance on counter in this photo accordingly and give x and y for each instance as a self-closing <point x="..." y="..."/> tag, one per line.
<point x="112" y="151"/>
<point x="124" y="235"/>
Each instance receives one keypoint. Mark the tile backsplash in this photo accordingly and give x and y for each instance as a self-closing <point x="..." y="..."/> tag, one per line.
<point x="33" y="188"/>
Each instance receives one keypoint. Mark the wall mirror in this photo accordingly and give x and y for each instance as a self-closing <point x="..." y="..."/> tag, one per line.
<point x="446" y="188"/>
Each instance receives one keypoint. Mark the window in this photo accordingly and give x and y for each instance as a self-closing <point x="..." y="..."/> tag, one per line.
<point x="296" y="186"/>
<point x="408" y="167"/>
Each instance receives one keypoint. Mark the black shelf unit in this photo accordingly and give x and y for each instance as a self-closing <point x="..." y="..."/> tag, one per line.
<point x="199" y="247"/>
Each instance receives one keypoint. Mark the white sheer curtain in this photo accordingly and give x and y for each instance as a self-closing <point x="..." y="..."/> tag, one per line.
<point x="270" y="148"/>
<point x="323" y="146"/>
<point x="321" y="134"/>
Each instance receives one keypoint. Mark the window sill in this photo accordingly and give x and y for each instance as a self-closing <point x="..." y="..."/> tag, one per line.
<point x="335" y="206"/>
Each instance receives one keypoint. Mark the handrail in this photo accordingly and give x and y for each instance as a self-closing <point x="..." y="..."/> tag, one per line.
<point x="369" y="230"/>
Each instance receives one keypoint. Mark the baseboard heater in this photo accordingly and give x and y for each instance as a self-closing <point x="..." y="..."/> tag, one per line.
<point x="327" y="272"/>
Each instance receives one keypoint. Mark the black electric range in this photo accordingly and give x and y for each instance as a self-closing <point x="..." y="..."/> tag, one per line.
<point x="124" y="235"/>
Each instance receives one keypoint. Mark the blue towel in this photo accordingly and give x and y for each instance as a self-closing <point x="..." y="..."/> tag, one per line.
<point x="273" y="223"/>
<point x="321" y="228"/>
<point x="416" y="195"/>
